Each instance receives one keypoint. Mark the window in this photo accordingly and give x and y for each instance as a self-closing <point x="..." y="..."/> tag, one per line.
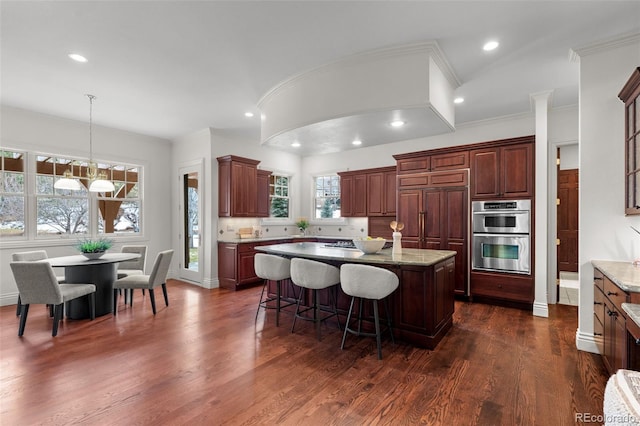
<point x="327" y="197"/>
<point x="12" y="194"/>
<point x="279" y="196"/>
<point x="61" y="211"/>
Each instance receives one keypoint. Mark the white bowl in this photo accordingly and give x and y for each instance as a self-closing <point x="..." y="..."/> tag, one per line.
<point x="369" y="246"/>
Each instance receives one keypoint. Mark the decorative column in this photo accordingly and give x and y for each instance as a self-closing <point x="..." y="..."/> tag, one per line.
<point x="541" y="102"/>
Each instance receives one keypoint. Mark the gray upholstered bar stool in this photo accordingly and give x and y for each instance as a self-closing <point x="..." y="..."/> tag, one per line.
<point x="370" y="283"/>
<point x="314" y="276"/>
<point x="272" y="268"/>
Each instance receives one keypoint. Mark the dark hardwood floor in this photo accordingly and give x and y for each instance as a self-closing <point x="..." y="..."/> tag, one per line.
<point x="203" y="360"/>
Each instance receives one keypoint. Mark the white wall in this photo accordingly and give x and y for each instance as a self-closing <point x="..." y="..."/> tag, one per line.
<point x="605" y="232"/>
<point x="569" y="157"/>
<point x="35" y="132"/>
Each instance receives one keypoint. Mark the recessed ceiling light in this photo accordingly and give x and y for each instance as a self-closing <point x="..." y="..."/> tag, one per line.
<point x="490" y="45"/>
<point x="248" y="114"/>
<point x="397" y="123"/>
<point x="296" y="144"/>
<point x="357" y="142"/>
<point x="458" y="100"/>
<point x="77" y="58"/>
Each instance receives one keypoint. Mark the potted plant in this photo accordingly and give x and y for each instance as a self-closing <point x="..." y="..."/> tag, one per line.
<point x="302" y="224"/>
<point x="94" y="249"/>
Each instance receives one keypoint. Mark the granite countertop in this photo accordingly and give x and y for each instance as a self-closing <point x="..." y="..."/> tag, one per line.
<point x="385" y="257"/>
<point x="624" y="274"/>
<point x="633" y="310"/>
<point x="280" y="238"/>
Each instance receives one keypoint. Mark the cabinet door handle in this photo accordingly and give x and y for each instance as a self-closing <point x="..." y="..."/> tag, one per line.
<point x="597" y="334"/>
<point x="609" y="312"/>
<point x="597" y="278"/>
<point x="597" y="303"/>
<point x="637" y="341"/>
<point x="611" y="293"/>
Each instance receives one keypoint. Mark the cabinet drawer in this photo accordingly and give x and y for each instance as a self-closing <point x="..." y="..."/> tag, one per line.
<point x="413" y="165"/>
<point x="457" y="178"/>
<point x="246" y="247"/>
<point x="615" y="294"/>
<point x="455" y="160"/>
<point x="505" y="287"/>
<point x="418" y="179"/>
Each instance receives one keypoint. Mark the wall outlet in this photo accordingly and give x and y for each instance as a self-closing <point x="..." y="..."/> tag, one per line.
<point x="230" y="228"/>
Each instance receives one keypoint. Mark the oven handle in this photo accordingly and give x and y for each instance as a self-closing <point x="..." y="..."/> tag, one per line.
<point x="505" y="235"/>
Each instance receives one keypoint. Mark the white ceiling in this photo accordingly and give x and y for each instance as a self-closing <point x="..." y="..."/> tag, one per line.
<point x="170" y="68"/>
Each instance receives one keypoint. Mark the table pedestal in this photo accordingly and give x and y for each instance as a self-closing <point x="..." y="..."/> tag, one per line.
<point x="102" y="275"/>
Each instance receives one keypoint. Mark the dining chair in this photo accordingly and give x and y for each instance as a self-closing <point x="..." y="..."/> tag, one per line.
<point x="132" y="267"/>
<point x="31" y="256"/>
<point x="37" y="283"/>
<point x="157" y="277"/>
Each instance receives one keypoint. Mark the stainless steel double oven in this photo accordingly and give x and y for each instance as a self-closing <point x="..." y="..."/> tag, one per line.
<point x="502" y="236"/>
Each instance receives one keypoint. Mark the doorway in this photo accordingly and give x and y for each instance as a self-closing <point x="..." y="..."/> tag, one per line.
<point x="567" y="227"/>
<point x="191" y="230"/>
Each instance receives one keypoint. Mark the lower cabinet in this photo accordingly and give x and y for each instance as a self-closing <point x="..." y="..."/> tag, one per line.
<point x="514" y="288"/>
<point x="610" y="328"/>
<point x="235" y="263"/>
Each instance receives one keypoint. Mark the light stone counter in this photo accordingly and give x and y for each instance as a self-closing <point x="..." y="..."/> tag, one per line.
<point x="624" y="274"/>
<point x="385" y="257"/>
<point x="633" y="310"/>
<point x="281" y="238"/>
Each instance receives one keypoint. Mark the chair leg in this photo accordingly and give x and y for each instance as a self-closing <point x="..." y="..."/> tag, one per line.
<point x="386" y="308"/>
<point x="346" y="326"/>
<point x="164" y="292"/>
<point x="152" y="297"/>
<point x="130" y="292"/>
<point x="19" y="306"/>
<point x="297" y="313"/>
<point x="377" y="321"/>
<point x="316" y="317"/>
<point x="264" y="286"/>
<point x="92" y="306"/>
<point x="278" y="283"/>
<point x="23" y="318"/>
<point x="57" y="316"/>
<point x="334" y="300"/>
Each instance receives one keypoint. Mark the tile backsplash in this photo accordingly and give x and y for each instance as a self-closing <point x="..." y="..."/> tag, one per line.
<point x="352" y="227"/>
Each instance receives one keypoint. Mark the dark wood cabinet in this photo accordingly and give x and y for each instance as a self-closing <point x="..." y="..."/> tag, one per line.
<point x="610" y="328"/>
<point x="630" y="95"/>
<point x="502" y="172"/>
<point x="235" y="263"/>
<point x="241" y="189"/>
<point x="370" y="192"/>
<point x="437" y="218"/>
<point x="353" y="193"/>
<point x="504" y="288"/>
<point x="423" y="162"/>
<point x="381" y="192"/>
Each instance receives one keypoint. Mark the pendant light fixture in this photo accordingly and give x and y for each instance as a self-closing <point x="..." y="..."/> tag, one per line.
<point x="99" y="182"/>
<point x="68" y="181"/>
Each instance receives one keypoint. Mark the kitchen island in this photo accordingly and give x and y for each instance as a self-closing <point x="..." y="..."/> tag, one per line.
<point x="422" y="306"/>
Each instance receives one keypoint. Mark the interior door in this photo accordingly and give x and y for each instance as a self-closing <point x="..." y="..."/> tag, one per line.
<point x="191" y="224"/>
<point x="568" y="220"/>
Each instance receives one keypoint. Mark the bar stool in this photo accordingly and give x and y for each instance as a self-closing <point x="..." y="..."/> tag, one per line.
<point x="272" y="268"/>
<point x="370" y="283"/>
<point x="314" y="276"/>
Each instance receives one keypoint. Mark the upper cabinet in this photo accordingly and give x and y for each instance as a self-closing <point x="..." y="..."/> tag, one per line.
<point x="502" y="171"/>
<point x="243" y="190"/>
<point x="630" y="95"/>
<point x="370" y="192"/>
<point x="420" y="162"/>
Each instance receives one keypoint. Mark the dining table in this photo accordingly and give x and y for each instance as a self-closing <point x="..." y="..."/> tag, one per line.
<point x="101" y="272"/>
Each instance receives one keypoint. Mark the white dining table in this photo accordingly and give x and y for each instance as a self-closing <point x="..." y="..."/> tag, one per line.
<point x="101" y="272"/>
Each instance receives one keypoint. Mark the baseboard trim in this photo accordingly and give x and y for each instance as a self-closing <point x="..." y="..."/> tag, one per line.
<point x="541" y="309"/>
<point x="586" y="342"/>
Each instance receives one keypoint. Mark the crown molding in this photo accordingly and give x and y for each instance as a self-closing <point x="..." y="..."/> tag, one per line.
<point x="603" y="45"/>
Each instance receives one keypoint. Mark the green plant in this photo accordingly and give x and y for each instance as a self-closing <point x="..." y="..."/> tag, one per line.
<point x="302" y="224"/>
<point x="94" y="246"/>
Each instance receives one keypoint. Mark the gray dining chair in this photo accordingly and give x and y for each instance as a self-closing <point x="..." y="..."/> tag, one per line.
<point x="157" y="277"/>
<point x="132" y="267"/>
<point x="31" y="256"/>
<point x="37" y="283"/>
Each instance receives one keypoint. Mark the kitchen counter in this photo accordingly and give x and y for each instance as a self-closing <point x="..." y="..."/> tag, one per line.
<point x="633" y="311"/>
<point x="281" y="238"/>
<point x="624" y="274"/>
<point x="421" y="308"/>
<point x="418" y="257"/>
